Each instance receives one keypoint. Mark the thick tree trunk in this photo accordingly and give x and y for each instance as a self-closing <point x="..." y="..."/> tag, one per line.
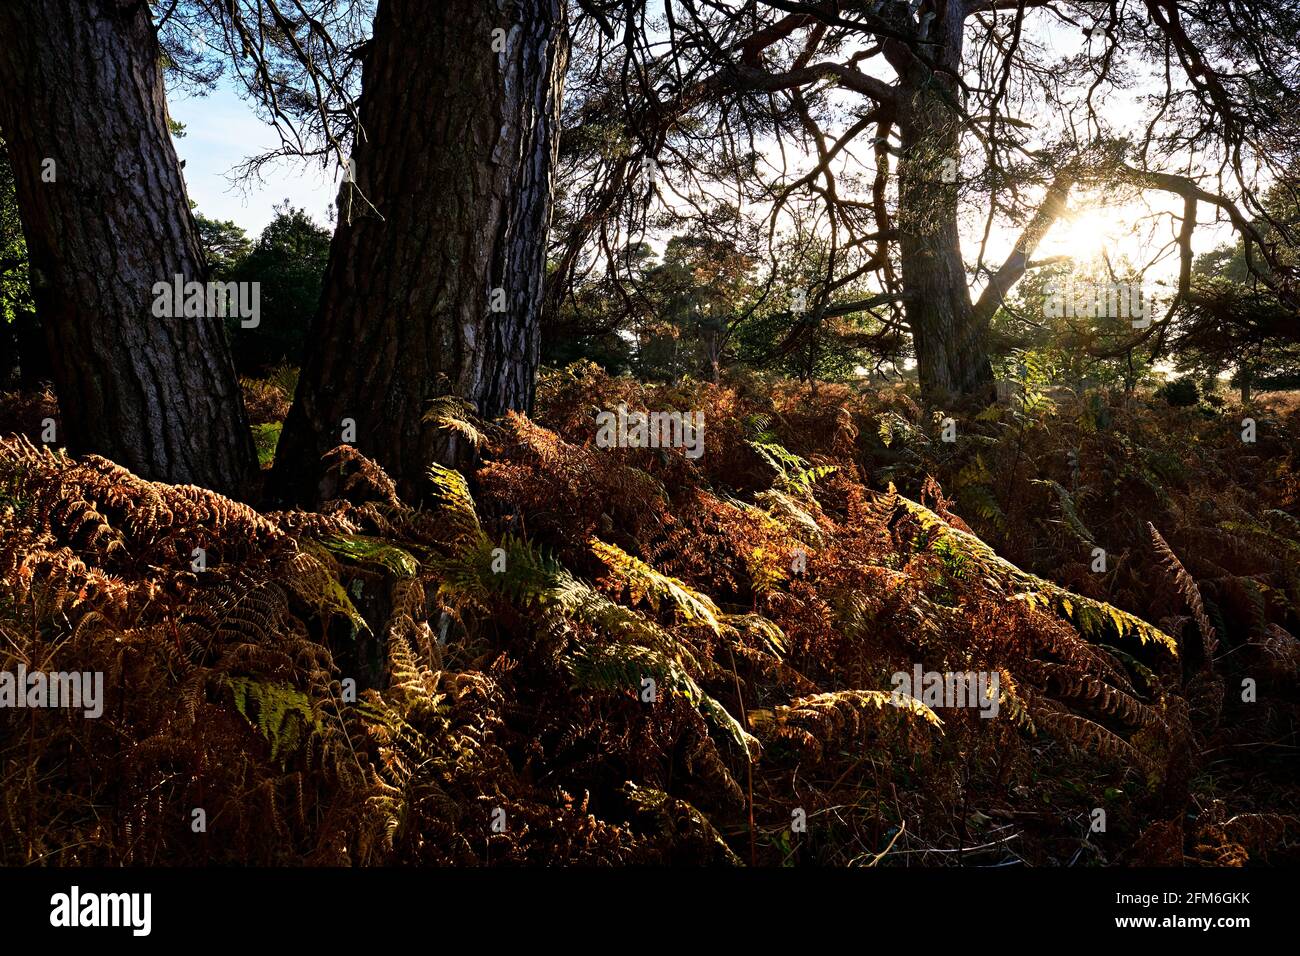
<point x="105" y="215"/>
<point x="951" y="353"/>
<point x="435" y="290"/>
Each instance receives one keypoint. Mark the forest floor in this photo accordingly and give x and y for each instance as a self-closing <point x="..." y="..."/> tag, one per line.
<point x="591" y="655"/>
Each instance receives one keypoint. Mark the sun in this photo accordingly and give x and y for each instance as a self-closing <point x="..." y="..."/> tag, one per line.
<point x="1087" y="233"/>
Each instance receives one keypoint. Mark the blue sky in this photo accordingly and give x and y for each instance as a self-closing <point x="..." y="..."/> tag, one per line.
<point x="221" y="133"/>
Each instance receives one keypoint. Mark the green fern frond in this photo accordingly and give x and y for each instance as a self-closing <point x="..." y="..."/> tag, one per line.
<point x="280" y="712"/>
<point x="822" y="723"/>
<point x="312" y="579"/>
<point x="1090" y="616"/>
<point x="656" y="588"/>
<point x="758" y="426"/>
<point x="454" y="500"/>
<point x="769" y="636"/>
<point x="862" y="700"/>
<point x="511" y="569"/>
<point x="973" y="487"/>
<point x="792" y="471"/>
<point x="980" y="500"/>
<point x="625" y="666"/>
<point x="778" y="457"/>
<point x="810" y="476"/>
<point x="675" y="817"/>
<point x="374" y="552"/>
<point x="1072" y="521"/>
<point x="781" y="505"/>
<point x="578" y="601"/>
<point x="892" y="426"/>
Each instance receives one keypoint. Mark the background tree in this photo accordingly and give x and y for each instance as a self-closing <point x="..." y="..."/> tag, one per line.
<point x="288" y="261"/>
<point x="225" y="244"/>
<point x="700" y="293"/>
<point x="105" y="217"/>
<point x="1093" y="343"/>
<point x="1234" y="323"/>
<point x="19" y="361"/>
<point x="891" y="125"/>
<point x="1243" y="332"/>
<point x="711" y="302"/>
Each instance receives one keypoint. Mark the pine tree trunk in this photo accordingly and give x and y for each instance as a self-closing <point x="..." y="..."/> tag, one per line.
<point x="435" y="275"/>
<point x="951" y="352"/>
<point x="81" y="86"/>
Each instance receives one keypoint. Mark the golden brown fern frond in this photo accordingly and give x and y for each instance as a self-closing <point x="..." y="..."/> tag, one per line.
<point x="1089" y="735"/>
<point x="1186" y="587"/>
<point x="822" y="721"/>
<point x="352" y="476"/>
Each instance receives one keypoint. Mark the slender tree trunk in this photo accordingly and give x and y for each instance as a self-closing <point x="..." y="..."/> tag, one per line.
<point x="435" y="275"/>
<point x="106" y="217"/>
<point x="951" y="352"/>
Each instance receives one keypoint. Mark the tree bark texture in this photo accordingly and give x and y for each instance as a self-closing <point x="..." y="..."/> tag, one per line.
<point x="951" y="354"/>
<point x="435" y="276"/>
<point x="82" y="104"/>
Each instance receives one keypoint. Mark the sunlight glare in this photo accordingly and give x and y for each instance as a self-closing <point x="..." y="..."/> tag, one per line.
<point x="1087" y="233"/>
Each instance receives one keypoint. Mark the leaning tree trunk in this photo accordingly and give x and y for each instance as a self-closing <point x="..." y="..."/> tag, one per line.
<point x="435" y="275"/>
<point x="951" y="352"/>
<point x="105" y="215"/>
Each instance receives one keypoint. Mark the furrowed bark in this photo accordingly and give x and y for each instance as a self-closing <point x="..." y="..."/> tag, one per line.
<point x="951" y="354"/>
<point x="456" y="160"/>
<point x="81" y="86"/>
